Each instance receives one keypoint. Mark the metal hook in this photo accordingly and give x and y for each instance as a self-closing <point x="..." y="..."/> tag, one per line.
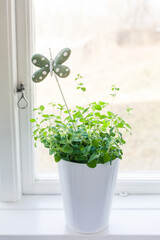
<point x="22" y="98"/>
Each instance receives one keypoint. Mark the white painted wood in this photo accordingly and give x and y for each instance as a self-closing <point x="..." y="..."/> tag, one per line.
<point x="43" y="218"/>
<point x="80" y="237"/>
<point x="10" y="177"/>
<point x="53" y="225"/>
<point x="25" y="48"/>
<point x="47" y="202"/>
<point x="138" y="186"/>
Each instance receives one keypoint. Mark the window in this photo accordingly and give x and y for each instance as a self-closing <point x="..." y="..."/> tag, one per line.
<point x="111" y="42"/>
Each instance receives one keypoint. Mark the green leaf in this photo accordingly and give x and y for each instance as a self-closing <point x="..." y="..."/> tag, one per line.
<point x="79" y="75"/>
<point x="76" y="140"/>
<point x="46" y="145"/>
<point x="85" y="110"/>
<point x="80" y="108"/>
<point x="97" y="114"/>
<point x="92" y="162"/>
<point x="35" y="131"/>
<point x="83" y="89"/>
<point x="127" y="125"/>
<point x="103" y="116"/>
<point x="106" y="123"/>
<point x="106" y="157"/>
<point x="115" y="122"/>
<point x="61" y="125"/>
<point x="123" y="141"/>
<point x="51" y="151"/>
<point x="113" y="94"/>
<point x="92" y="157"/>
<point x="41" y="107"/>
<point x="67" y="148"/>
<point x="57" y="157"/>
<point x="81" y="158"/>
<point x="32" y="120"/>
<point x="96" y="139"/>
<point x="65" y="111"/>
<point x="120" y="125"/>
<point x="129" y="109"/>
<point x="110" y="113"/>
<point x="98" y="107"/>
<point x="57" y="137"/>
<point x="87" y="149"/>
<point x="95" y="142"/>
<point x="111" y="132"/>
<point x="45" y="116"/>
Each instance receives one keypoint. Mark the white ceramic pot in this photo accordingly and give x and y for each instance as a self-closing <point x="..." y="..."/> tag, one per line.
<point x="87" y="194"/>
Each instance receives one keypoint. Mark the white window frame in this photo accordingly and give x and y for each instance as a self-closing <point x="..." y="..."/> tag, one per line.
<point x="17" y="17"/>
<point x="10" y="167"/>
<point x="25" y="40"/>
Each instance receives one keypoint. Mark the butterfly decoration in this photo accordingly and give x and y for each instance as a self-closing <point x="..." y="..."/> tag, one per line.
<point x="51" y="66"/>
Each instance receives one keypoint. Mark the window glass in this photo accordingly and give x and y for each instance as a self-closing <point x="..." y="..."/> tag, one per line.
<point x="112" y="42"/>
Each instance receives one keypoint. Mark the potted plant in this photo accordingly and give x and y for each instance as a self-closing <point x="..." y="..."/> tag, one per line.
<point x="86" y="144"/>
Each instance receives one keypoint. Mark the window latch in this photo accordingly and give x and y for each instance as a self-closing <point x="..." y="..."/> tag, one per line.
<point x="22" y="102"/>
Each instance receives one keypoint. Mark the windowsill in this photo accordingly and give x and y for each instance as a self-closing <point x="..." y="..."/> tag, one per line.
<point x="42" y="217"/>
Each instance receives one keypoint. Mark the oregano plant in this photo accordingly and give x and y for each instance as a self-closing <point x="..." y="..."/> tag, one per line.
<point x="93" y="135"/>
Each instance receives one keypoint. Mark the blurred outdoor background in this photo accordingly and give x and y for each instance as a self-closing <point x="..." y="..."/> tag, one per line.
<point x="112" y="42"/>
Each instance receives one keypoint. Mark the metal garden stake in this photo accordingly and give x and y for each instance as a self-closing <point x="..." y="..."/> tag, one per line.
<point x="55" y="68"/>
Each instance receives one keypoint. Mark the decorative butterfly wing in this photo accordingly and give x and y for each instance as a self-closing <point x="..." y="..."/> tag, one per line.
<point x="61" y="70"/>
<point x="40" y="75"/>
<point x="62" y="56"/>
<point x="40" y="61"/>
